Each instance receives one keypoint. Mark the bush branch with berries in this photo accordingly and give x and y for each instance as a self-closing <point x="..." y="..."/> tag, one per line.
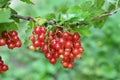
<point x="57" y="34"/>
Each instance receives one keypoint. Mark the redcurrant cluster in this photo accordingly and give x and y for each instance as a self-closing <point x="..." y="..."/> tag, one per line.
<point x="11" y="39"/>
<point x="58" y="44"/>
<point x="3" y="67"/>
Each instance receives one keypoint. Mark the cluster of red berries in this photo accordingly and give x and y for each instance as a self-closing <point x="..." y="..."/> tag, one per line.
<point x="3" y="67"/>
<point x="57" y="44"/>
<point x="11" y="39"/>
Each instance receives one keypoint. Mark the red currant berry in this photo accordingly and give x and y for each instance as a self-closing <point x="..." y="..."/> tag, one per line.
<point x="68" y="44"/>
<point x="36" y="43"/>
<point x="66" y="53"/>
<point x="51" y="33"/>
<point x="52" y="50"/>
<point x="50" y="38"/>
<point x="70" y="37"/>
<point x="53" y="43"/>
<point x="67" y="50"/>
<point x="42" y="44"/>
<point x="18" y="44"/>
<point x="57" y="46"/>
<point x="65" y="35"/>
<point x="76" y="51"/>
<point x="1" y="62"/>
<point x="77" y="44"/>
<point x="52" y="60"/>
<point x="70" y="65"/>
<point x="66" y="59"/>
<point x="62" y="41"/>
<point x="48" y="55"/>
<point x="13" y="33"/>
<point x="78" y="56"/>
<point x="37" y="30"/>
<point x="65" y="64"/>
<point x="56" y="55"/>
<point x="5" y="34"/>
<point x="15" y="38"/>
<point x="61" y="51"/>
<point x="81" y="49"/>
<point x="8" y="41"/>
<point x="11" y="46"/>
<point x="31" y="47"/>
<point x="43" y="30"/>
<point x="4" y="67"/>
<point x="2" y="42"/>
<point x="71" y="55"/>
<point x="32" y="38"/>
<point x="76" y="36"/>
<point x="41" y="37"/>
<point x="45" y="48"/>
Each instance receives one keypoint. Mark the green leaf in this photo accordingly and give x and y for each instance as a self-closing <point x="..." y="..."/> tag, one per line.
<point x="27" y="1"/>
<point x="3" y="2"/>
<point x="99" y="3"/>
<point x="70" y="18"/>
<point x="82" y="30"/>
<point x="108" y="72"/>
<point x="109" y="5"/>
<point x="8" y="26"/>
<point x="41" y="21"/>
<point x="99" y="23"/>
<point x="14" y="12"/>
<point x="74" y="10"/>
<point x="74" y="19"/>
<point x="85" y="1"/>
<point x="63" y="8"/>
<point x="81" y="12"/>
<point x="30" y="27"/>
<point x="51" y="16"/>
<point x="4" y="15"/>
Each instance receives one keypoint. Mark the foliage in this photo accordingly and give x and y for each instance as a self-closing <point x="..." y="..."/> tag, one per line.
<point x="101" y="58"/>
<point x="78" y="12"/>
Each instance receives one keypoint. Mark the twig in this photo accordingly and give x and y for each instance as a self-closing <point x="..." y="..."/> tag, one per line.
<point x="105" y="15"/>
<point x="23" y="17"/>
<point x="54" y="22"/>
<point x="51" y="22"/>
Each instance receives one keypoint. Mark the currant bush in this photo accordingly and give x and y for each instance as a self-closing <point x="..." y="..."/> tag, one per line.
<point x="57" y="44"/>
<point x="3" y="67"/>
<point x="10" y="39"/>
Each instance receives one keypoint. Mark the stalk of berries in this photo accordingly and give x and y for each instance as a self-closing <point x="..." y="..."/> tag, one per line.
<point x="3" y="67"/>
<point x="59" y="44"/>
<point x="10" y="39"/>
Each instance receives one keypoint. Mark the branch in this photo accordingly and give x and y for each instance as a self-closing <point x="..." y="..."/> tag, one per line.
<point x="51" y="22"/>
<point x="105" y="15"/>
<point x="74" y="24"/>
<point x="23" y="17"/>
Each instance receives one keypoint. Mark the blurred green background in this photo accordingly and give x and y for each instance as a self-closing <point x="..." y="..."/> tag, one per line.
<point x="100" y="61"/>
